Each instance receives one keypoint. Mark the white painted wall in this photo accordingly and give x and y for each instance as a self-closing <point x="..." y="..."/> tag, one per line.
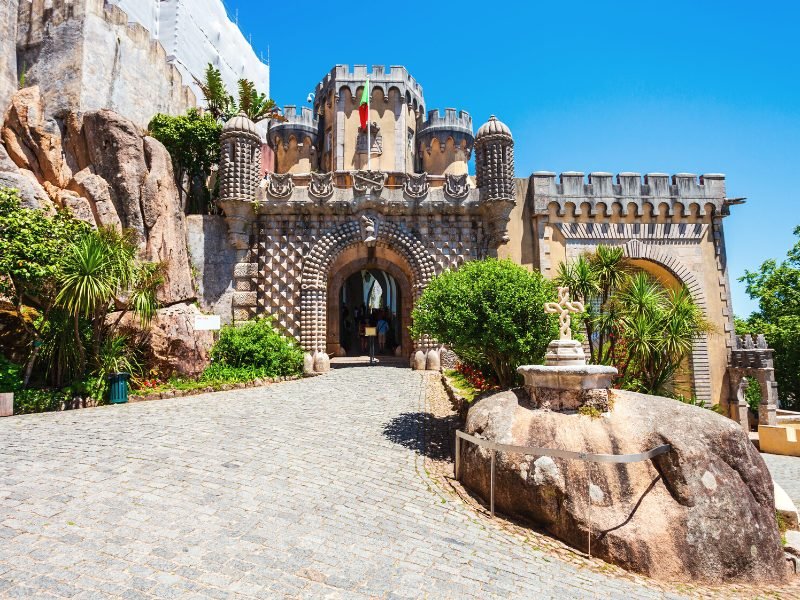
<point x="195" y="33"/>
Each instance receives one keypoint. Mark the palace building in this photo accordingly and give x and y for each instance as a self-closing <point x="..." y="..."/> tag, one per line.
<point x="328" y="219"/>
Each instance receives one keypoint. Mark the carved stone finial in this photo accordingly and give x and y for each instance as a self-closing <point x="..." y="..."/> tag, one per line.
<point x="563" y="308"/>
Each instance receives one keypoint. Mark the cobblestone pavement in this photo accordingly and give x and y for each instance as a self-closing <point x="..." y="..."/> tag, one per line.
<point x="786" y="471"/>
<point x="308" y="489"/>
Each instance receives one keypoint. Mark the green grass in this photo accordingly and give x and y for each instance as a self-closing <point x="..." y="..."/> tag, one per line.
<point x="461" y="385"/>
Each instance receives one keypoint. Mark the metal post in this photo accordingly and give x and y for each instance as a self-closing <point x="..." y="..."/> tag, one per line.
<point x="491" y="487"/>
<point x="589" y="470"/>
<point x="458" y="458"/>
<point x="369" y="141"/>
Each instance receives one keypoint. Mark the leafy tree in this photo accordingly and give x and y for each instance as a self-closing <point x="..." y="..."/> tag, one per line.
<point x="100" y="273"/>
<point x="489" y="312"/>
<point x="776" y="286"/>
<point x="192" y="141"/>
<point x="31" y="247"/>
<point x="632" y="321"/>
<point x="222" y="105"/>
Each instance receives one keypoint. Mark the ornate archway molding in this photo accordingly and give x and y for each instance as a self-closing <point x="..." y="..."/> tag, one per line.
<point x="316" y="273"/>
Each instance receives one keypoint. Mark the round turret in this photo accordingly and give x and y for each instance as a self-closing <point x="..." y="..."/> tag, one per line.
<point x="494" y="160"/>
<point x="240" y="161"/>
<point x="239" y="125"/>
<point x="493" y="127"/>
<point x="445" y="143"/>
<point x="494" y="171"/>
<point x="294" y="141"/>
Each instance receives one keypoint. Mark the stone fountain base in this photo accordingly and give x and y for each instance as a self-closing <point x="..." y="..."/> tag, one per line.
<point x="567" y="388"/>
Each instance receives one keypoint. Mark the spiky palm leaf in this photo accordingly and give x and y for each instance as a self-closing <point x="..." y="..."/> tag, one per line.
<point x="218" y="101"/>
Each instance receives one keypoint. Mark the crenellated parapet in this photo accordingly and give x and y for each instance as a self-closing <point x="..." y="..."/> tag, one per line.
<point x="751" y="352"/>
<point x="445" y="142"/>
<point x="301" y="126"/>
<point x="294" y="140"/>
<point x="380" y="77"/>
<point x="628" y="192"/>
<point x="456" y="125"/>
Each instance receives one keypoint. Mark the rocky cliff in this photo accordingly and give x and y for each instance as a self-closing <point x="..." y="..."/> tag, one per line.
<point x="8" y="50"/>
<point x="105" y="171"/>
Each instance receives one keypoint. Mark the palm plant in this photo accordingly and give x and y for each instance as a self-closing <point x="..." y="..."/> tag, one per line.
<point x="255" y="105"/>
<point x="633" y="322"/>
<point x="218" y="101"/>
<point x="99" y="273"/>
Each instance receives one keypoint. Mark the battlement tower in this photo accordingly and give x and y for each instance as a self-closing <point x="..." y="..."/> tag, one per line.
<point x="444" y="143"/>
<point x="294" y="141"/>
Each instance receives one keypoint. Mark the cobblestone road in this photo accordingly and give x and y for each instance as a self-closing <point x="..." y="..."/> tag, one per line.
<point x="305" y="489"/>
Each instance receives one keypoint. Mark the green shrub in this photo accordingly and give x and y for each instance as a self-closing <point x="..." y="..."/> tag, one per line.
<point x="37" y="401"/>
<point x="257" y="345"/>
<point x="490" y="312"/>
<point x="10" y="376"/>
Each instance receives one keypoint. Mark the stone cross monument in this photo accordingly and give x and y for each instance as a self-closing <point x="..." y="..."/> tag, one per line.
<point x="565" y="382"/>
<point x="564" y="351"/>
<point x="563" y="308"/>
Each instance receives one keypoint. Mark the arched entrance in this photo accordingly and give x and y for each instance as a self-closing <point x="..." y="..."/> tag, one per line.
<point x="363" y="245"/>
<point x="375" y="281"/>
<point x="672" y="273"/>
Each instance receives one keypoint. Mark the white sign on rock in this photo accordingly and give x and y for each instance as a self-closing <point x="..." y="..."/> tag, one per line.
<point x="207" y="323"/>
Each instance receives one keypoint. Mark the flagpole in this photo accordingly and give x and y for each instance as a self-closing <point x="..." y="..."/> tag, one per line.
<point x="369" y="141"/>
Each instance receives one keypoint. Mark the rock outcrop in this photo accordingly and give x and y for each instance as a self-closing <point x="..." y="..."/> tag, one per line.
<point x="8" y="51"/>
<point x="173" y="345"/>
<point x="104" y="171"/>
<point x="704" y="511"/>
<point x="101" y="168"/>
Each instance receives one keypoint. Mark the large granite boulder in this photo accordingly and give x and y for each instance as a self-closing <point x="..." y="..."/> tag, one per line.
<point x="174" y="347"/>
<point x="704" y="511"/>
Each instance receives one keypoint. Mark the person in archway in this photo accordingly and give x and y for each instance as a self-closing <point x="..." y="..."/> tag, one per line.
<point x="362" y="332"/>
<point x="383" y="329"/>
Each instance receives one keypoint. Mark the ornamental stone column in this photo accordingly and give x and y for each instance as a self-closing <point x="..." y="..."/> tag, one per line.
<point x="494" y="162"/>
<point x="239" y="175"/>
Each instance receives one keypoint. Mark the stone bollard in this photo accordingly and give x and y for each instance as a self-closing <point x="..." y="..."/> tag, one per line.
<point x="322" y="363"/>
<point x="6" y="404"/>
<point x="419" y="361"/>
<point x="433" y="363"/>
<point x="308" y="363"/>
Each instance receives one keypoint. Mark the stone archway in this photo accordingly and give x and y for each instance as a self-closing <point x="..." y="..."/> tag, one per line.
<point x="637" y="250"/>
<point x="358" y="258"/>
<point x="372" y="235"/>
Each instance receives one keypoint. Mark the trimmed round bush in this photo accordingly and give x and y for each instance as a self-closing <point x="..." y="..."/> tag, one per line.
<point x="258" y="346"/>
<point x="490" y="312"/>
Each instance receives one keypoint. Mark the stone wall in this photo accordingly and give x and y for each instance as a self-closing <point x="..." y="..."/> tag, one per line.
<point x="8" y="52"/>
<point x="213" y="261"/>
<point x="85" y="55"/>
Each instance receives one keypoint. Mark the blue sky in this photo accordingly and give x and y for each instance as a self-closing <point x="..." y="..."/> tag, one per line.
<point x="700" y="87"/>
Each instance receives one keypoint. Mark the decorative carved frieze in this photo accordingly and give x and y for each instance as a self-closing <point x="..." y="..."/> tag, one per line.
<point x="456" y="186"/>
<point x="368" y="182"/>
<point x="321" y="185"/>
<point x="280" y="185"/>
<point x="416" y="185"/>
